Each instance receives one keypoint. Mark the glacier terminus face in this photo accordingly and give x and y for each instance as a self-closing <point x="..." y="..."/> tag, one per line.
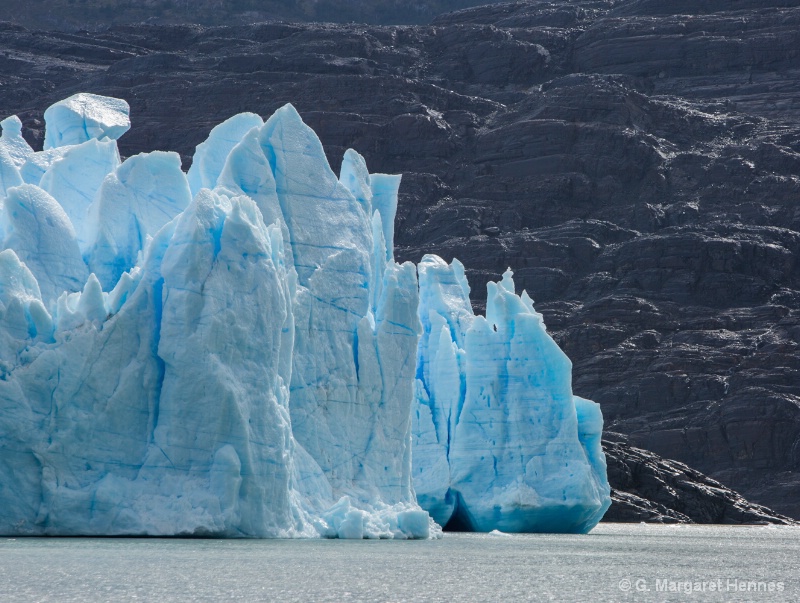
<point x="500" y="441"/>
<point x="234" y="351"/>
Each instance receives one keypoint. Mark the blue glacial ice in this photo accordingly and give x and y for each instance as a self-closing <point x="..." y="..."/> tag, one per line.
<point x="234" y="351"/>
<point x="211" y="155"/>
<point x="39" y="231"/>
<point x="132" y="203"/>
<point x="12" y="142"/>
<point x="83" y="117"/>
<point x="500" y="441"/>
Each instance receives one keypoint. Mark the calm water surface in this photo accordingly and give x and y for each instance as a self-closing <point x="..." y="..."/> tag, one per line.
<point x="615" y="562"/>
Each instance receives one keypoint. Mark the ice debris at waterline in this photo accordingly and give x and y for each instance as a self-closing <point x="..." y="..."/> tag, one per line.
<point x="235" y="352"/>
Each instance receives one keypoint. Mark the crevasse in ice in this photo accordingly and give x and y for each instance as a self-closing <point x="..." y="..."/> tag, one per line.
<point x="235" y="352"/>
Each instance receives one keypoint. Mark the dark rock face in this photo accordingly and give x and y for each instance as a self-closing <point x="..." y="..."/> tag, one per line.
<point x="72" y="15"/>
<point x="636" y="162"/>
<point x="648" y="488"/>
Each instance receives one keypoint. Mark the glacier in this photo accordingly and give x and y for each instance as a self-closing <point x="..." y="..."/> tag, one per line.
<point x="235" y="352"/>
<point x="500" y="441"/>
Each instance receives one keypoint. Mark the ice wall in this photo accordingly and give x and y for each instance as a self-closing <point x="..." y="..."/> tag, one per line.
<point x="223" y="370"/>
<point x="500" y="441"/>
<point x="235" y="352"/>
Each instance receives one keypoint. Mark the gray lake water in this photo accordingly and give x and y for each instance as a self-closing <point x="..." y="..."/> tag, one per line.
<point x="616" y="562"/>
